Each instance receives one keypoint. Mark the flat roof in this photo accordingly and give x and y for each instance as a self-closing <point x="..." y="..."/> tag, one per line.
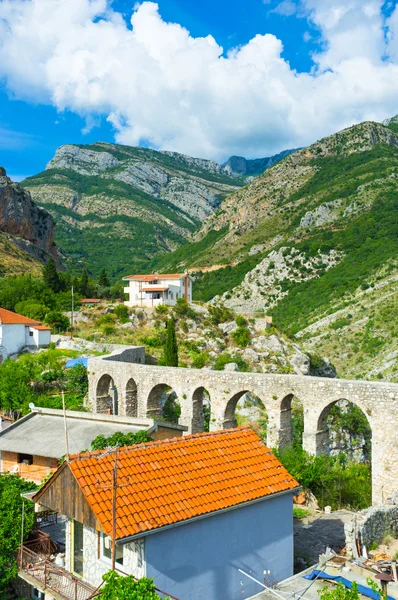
<point x="42" y="432"/>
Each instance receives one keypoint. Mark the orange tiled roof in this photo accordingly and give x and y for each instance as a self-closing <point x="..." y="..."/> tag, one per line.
<point x="90" y="300"/>
<point x="155" y="276"/>
<point x="7" y="317"/>
<point x="169" y="481"/>
<point x="41" y="328"/>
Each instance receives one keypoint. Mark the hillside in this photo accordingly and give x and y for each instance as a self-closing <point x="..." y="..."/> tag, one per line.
<point x="306" y="240"/>
<point x="135" y="203"/>
<point x="26" y="231"/>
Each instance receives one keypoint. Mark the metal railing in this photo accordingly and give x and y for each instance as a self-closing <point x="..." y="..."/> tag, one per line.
<point x="51" y="577"/>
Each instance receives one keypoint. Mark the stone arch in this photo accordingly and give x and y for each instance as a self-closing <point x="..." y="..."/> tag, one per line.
<point x="323" y="442"/>
<point x="158" y="396"/>
<point x="107" y="400"/>
<point x="290" y="407"/>
<point x="229" y="420"/>
<point x="200" y="400"/>
<point x="131" y="405"/>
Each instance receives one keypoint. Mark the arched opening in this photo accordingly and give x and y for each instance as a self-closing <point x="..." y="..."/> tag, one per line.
<point x="246" y="408"/>
<point x="343" y="428"/>
<point x="163" y="404"/>
<point x="201" y="410"/>
<point x="131" y="399"/>
<point x="107" y="396"/>
<point x="292" y="422"/>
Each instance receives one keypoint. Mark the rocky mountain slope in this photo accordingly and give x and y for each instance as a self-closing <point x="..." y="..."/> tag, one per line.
<point x="119" y="206"/>
<point x="26" y="231"/>
<point x="251" y="168"/>
<point x="305" y="240"/>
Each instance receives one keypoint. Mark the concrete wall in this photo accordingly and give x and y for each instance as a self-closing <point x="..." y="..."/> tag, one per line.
<point x="13" y="338"/>
<point x="377" y="400"/>
<point x="372" y="524"/>
<point x="176" y="289"/>
<point x="200" y="560"/>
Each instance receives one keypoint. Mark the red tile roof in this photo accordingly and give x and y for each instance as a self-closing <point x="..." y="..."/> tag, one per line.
<point x="90" y="301"/>
<point x="155" y="276"/>
<point x="7" y="317"/>
<point x="41" y="328"/>
<point x="170" y="481"/>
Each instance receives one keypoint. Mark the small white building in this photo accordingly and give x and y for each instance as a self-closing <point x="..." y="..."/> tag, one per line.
<point x="152" y="290"/>
<point x="18" y="332"/>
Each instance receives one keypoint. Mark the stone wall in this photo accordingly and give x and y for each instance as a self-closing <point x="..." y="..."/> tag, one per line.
<point x="372" y="524"/>
<point x="377" y="400"/>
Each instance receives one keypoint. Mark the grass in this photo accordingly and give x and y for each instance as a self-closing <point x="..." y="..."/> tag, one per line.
<point x="300" y="513"/>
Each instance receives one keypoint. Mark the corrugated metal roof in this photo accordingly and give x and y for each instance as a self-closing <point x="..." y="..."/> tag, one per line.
<point x="43" y="434"/>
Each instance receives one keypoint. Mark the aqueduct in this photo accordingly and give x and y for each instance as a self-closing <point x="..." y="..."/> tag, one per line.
<point x="122" y="382"/>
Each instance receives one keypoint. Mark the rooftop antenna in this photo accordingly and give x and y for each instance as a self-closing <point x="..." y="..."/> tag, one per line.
<point x="65" y="427"/>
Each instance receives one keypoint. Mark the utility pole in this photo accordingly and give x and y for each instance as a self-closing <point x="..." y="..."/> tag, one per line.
<point x="71" y="319"/>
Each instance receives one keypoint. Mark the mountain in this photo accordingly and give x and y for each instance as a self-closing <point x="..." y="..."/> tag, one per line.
<point x="119" y="207"/>
<point x="313" y="242"/>
<point x="26" y="231"/>
<point x="251" y="168"/>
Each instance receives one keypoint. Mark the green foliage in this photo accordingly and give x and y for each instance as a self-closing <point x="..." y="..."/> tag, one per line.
<point x="182" y="309"/>
<point x="171" y="410"/>
<point x="339" y="592"/>
<point x="118" y="587"/>
<point x="170" y="352"/>
<point x="162" y="309"/>
<point x="11" y="488"/>
<point x="300" y="513"/>
<point x="51" y="277"/>
<point x="36" y="377"/>
<point x="225" y="358"/>
<point x="215" y="283"/>
<point x="240" y="321"/>
<point x="333" y="480"/>
<point x="122" y="313"/>
<point x="56" y="320"/>
<point x="120" y="439"/>
<point x="220" y="314"/>
<point x="103" y="280"/>
<point x="32" y="309"/>
<point x="241" y="336"/>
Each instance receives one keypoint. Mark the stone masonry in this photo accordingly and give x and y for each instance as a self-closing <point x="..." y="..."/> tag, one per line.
<point x="139" y="389"/>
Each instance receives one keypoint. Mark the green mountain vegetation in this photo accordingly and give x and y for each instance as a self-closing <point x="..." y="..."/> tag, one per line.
<point x="313" y="242"/>
<point x="118" y="207"/>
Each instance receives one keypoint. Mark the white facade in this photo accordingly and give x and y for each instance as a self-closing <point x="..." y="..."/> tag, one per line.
<point x="95" y="564"/>
<point x="16" y="336"/>
<point x="152" y="290"/>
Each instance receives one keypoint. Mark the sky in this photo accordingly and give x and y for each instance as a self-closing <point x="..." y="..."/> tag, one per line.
<point x="208" y="78"/>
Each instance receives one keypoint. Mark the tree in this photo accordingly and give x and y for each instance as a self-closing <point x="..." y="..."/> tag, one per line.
<point x="51" y="277"/>
<point x="340" y="592"/>
<point x="121" y="439"/>
<point x="103" y="280"/>
<point x="11" y="487"/>
<point x="170" y="350"/>
<point x="56" y="320"/>
<point x="118" y="587"/>
<point x="83" y="284"/>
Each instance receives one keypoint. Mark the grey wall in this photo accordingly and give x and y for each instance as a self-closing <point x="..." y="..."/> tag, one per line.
<point x="200" y="560"/>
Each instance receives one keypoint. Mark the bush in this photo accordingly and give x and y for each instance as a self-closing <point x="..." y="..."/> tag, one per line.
<point x="225" y="358"/>
<point x="56" y="320"/>
<point x="118" y="587"/>
<point x="182" y="309"/>
<point x="241" y="337"/>
<point x="122" y="313"/>
<point x="162" y="309"/>
<point x="240" y="321"/>
<point x="120" y="439"/>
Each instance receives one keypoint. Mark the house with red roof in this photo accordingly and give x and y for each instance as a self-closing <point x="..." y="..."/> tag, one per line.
<point x="18" y="332"/>
<point x="188" y="512"/>
<point x="155" y="289"/>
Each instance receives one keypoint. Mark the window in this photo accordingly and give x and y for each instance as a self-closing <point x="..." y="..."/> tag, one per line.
<point x="26" y="459"/>
<point x="77" y="545"/>
<point x="37" y="594"/>
<point x="106" y="550"/>
<point x="31" y="333"/>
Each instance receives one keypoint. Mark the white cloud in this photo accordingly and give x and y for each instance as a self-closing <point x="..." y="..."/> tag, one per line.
<point x="158" y="83"/>
<point x="286" y="8"/>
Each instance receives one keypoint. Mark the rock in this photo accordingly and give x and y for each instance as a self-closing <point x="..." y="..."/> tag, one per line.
<point x="32" y="227"/>
<point x="264" y="342"/>
<point x="228" y="327"/>
<point x="326" y="369"/>
<point x="325" y="213"/>
<point x="250" y="355"/>
<point x="301" y="363"/>
<point x="128" y="325"/>
<point x="231" y="367"/>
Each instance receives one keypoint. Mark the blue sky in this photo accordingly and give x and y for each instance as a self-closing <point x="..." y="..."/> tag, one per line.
<point x="37" y="116"/>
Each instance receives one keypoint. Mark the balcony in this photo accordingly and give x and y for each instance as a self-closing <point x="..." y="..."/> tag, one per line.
<point x="52" y="579"/>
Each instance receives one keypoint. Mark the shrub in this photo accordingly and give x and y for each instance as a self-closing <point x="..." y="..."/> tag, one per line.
<point x="162" y="309"/>
<point x="241" y="336"/>
<point x="122" y="313"/>
<point x="240" y="321"/>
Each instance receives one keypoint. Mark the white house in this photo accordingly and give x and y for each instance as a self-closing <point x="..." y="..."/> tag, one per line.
<point x="152" y="290"/>
<point x="18" y="332"/>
